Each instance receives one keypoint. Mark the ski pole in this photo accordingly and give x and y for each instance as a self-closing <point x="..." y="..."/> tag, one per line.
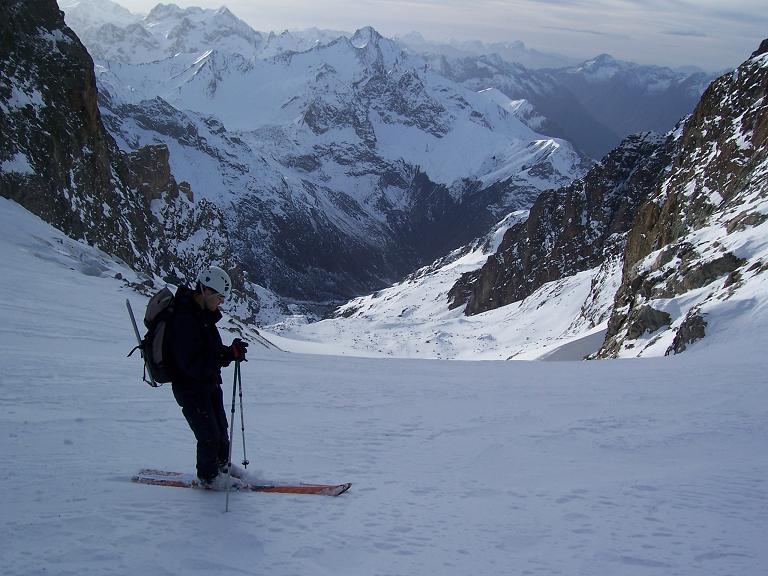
<point x="242" y="415"/>
<point x="231" y="431"/>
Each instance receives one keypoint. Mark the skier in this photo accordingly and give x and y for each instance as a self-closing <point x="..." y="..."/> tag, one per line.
<point x="197" y="356"/>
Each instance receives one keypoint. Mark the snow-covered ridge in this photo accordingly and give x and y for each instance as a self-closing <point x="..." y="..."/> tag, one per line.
<point x="114" y="34"/>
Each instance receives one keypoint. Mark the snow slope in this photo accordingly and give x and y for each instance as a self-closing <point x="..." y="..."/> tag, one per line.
<point x="652" y="466"/>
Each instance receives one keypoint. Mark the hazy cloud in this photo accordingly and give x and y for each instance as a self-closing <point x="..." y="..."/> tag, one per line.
<point x="687" y="33"/>
<point x="585" y="31"/>
<point x="712" y="34"/>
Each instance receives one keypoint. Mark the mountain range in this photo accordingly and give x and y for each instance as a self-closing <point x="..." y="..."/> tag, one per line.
<point x="353" y="140"/>
<point x="662" y="243"/>
<point x="320" y="168"/>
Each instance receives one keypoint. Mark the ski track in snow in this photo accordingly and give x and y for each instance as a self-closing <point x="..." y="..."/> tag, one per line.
<point x="628" y="467"/>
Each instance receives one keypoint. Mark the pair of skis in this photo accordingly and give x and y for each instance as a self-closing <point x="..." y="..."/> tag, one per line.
<point x="183" y="480"/>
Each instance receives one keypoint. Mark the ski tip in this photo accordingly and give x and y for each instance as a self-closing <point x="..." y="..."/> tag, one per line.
<point x="343" y="488"/>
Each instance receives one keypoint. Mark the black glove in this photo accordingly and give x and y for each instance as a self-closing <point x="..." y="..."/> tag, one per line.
<point x="239" y="349"/>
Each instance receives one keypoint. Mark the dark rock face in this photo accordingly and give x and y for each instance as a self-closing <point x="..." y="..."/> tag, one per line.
<point x="147" y="170"/>
<point x="51" y="123"/>
<point x="714" y="179"/>
<point x="59" y="162"/>
<point x="692" y="329"/>
<point x="569" y="230"/>
<point x="761" y="50"/>
<point x="646" y="320"/>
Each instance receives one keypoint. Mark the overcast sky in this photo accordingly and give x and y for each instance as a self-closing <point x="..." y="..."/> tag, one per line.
<point x="710" y="34"/>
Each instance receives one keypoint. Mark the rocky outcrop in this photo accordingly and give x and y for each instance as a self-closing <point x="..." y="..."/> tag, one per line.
<point x="692" y="329"/>
<point x="148" y="171"/>
<point x="646" y="320"/>
<point x="714" y="188"/>
<point x="569" y="230"/>
<point x="58" y="160"/>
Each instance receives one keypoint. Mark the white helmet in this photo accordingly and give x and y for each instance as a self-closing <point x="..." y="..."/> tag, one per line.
<point x="216" y="279"/>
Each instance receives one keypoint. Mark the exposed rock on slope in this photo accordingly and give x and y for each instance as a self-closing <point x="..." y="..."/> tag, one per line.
<point x="569" y="230"/>
<point x="58" y="161"/>
<point x="699" y="239"/>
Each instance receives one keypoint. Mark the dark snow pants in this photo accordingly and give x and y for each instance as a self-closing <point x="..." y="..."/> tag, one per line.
<point x="205" y="414"/>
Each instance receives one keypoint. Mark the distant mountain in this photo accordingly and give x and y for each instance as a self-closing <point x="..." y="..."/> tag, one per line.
<point x="339" y="168"/>
<point x="595" y="104"/>
<point x="85" y="15"/>
<point x="113" y="34"/>
<point x="629" y="97"/>
<point x="513" y="52"/>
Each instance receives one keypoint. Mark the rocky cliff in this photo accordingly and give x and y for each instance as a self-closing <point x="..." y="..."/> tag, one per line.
<point x="58" y="160"/>
<point x="686" y="216"/>
<point x="696" y="244"/>
<point x="569" y="230"/>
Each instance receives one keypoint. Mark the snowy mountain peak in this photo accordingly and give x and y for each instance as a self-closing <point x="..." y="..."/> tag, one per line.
<point x="602" y="67"/>
<point x="83" y="14"/>
<point x="162" y="11"/>
<point x="602" y="60"/>
<point x="374" y="48"/>
<point x="114" y="34"/>
<point x="365" y="36"/>
<point x="197" y="29"/>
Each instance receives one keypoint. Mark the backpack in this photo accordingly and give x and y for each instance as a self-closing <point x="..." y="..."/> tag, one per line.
<point x="152" y="347"/>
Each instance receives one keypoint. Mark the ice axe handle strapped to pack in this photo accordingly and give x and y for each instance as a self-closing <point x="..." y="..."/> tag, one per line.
<point x="140" y="347"/>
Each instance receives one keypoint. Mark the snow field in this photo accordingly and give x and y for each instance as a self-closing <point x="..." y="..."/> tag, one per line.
<point x="650" y="466"/>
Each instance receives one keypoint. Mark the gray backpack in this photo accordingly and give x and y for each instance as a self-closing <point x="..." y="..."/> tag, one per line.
<point x="152" y="346"/>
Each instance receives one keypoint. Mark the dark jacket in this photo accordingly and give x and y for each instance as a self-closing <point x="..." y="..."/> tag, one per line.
<point x="194" y="345"/>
